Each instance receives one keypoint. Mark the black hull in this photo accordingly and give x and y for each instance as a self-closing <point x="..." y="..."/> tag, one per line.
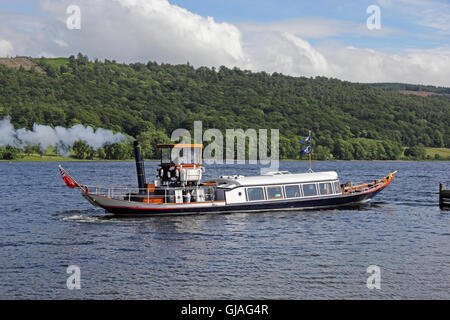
<point x="301" y="204"/>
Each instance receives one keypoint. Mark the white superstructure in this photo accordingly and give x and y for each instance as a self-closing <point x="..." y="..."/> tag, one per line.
<point x="279" y="177"/>
<point x="280" y="185"/>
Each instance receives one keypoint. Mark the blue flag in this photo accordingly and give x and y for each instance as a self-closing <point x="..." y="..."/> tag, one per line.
<point x="308" y="138"/>
<point x="306" y="150"/>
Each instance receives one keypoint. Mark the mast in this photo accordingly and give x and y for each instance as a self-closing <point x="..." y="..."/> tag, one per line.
<point x="309" y="162"/>
<point x="307" y="149"/>
<point x="310" y="152"/>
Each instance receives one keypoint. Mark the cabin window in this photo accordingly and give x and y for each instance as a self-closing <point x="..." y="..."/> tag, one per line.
<point x="292" y="191"/>
<point x="165" y="155"/>
<point x="255" y="194"/>
<point x="337" y="187"/>
<point x="309" y="190"/>
<point x="325" y="188"/>
<point x="274" y="193"/>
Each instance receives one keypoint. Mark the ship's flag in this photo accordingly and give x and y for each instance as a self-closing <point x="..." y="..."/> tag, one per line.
<point x="68" y="181"/>
<point x="306" y="150"/>
<point x="308" y="138"/>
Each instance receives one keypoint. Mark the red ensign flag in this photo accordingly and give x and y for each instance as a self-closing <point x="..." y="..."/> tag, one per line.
<point x="67" y="180"/>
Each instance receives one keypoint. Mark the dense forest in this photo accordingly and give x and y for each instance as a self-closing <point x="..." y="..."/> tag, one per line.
<point x="150" y="100"/>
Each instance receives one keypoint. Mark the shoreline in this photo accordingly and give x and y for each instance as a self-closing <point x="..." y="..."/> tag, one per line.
<point x="65" y="159"/>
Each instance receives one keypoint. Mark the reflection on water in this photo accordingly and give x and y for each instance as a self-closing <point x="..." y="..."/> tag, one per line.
<point x="282" y="255"/>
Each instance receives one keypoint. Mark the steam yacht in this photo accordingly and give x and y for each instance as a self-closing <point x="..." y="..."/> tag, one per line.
<point x="179" y="189"/>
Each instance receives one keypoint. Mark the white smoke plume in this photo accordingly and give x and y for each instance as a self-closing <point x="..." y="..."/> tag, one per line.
<point x="64" y="138"/>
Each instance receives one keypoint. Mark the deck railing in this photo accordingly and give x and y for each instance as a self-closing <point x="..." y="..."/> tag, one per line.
<point x="146" y="195"/>
<point x="363" y="187"/>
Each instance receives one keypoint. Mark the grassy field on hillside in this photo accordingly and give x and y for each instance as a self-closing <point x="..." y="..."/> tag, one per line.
<point x="444" y="153"/>
<point x="57" y="62"/>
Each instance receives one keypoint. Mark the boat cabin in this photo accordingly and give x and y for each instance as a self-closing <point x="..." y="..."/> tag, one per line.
<point x="276" y="186"/>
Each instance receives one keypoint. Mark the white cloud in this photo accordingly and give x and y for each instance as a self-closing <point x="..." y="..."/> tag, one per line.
<point x="428" y="13"/>
<point x="6" y="48"/>
<point x="316" y="28"/>
<point x="61" y="43"/>
<point x="366" y="65"/>
<point x="437" y="19"/>
<point x="143" y="30"/>
<point x="385" y="3"/>
<point x="286" y="53"/>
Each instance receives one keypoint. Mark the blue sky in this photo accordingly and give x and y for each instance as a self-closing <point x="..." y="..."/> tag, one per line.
<point x="21" y="6"/>
<point x="401" y="18"/>
<point x="326" y="37"/>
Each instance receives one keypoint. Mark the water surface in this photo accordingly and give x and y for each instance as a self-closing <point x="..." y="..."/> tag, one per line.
<point x="323" y="254"/>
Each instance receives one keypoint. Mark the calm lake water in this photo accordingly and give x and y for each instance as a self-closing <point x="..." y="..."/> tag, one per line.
<point x="45" y="227"/>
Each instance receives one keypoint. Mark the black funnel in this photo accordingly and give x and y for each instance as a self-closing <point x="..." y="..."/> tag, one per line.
<point x="139" y="167"/>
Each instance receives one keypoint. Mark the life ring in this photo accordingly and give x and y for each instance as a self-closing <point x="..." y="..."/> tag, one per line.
<point x="173" y="172"/>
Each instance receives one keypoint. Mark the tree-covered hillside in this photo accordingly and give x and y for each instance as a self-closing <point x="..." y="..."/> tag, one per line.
<point x="149" y="101"/>
<point x="410" y="87"/>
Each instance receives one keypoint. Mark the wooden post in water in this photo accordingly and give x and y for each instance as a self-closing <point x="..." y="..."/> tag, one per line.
<point x="444" y="197"/>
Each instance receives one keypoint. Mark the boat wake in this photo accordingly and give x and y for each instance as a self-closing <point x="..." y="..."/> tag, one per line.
<point x="86" y="216"/>
<point x="83" y="218"/>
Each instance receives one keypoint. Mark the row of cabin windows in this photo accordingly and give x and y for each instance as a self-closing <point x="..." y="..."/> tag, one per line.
<point x="293" y="191"/>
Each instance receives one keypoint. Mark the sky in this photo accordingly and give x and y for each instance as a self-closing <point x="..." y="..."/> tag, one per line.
<point x="409" y="41"/>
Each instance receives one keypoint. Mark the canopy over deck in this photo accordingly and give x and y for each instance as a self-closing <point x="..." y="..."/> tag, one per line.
<point x="276" y="178"/>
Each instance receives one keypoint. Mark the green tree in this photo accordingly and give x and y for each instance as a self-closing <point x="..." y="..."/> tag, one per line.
<point x="82" y="150"/>
<point x="343" y="150"/>
<point x="10" y="153"/>
<point x="101" y="154"/>
<point x="119" y="151"/>
<point x="28" y="150"/>
<point x="417" y="152"/>
<point x="322" y="153"/>
<point x="438" y="139"/>
<point x="148" y="141"/>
